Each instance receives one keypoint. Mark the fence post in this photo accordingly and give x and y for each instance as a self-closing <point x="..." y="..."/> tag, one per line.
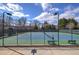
<point x="30" y="34"/>
<point x="3" y="29"/>
<point x="17" y="37"/>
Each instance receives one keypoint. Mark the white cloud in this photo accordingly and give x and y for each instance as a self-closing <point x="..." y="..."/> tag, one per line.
<point x="27" y="23"/>
<point x="47" y="17"/>
<point x="54" y="9"/>
<point x="11" y="7"/>
<point x="77" y="19"/>
<point x="2" y="7"/>
<point x="48" y="7"/>
<point x="67" y="15"/>
<point x="42" y="15"/>
<point x="72" y="9"/>
<point x="45" y="6"/>
<point x="76" y="10"/>
<point x="70" y="13"/>
<point x="68" y="8"/>
<point x="20" y="14"/>
<point x="15" y="9"/>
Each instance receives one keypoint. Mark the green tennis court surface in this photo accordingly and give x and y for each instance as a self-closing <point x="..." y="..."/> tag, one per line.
<point x="37" y="38"/>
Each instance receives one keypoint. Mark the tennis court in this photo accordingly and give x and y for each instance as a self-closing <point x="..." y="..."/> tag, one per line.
<point x="38" y="38"/>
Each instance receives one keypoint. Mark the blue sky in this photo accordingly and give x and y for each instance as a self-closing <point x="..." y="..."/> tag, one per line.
<point x="42" y="11"/>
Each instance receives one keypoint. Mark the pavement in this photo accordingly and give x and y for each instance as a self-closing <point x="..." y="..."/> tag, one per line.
<point x="39" y="50"/>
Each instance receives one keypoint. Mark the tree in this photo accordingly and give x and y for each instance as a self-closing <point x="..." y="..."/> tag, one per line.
<point x="53" y="27"/>
<point x="9" y="21"/>
<point x="22" y="21"/>
<point x="78" y="26"/>
<point x="72" y="23"/>
<point x="62" y="23"/>
<point x="47" y="26"/>
<point x="10" y="31"/>
<point x="67" y="23"/>
<point x="36" y="26"/>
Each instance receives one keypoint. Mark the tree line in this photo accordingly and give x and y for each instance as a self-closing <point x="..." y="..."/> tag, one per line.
<point x="63" y="24"/>
<point x="21" y="25"/>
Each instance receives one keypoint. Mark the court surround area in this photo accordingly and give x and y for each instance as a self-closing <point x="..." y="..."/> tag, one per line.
<point x="40" y="50"/>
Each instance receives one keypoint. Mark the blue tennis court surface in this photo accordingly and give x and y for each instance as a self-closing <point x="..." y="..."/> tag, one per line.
<point x="38" y="38"/>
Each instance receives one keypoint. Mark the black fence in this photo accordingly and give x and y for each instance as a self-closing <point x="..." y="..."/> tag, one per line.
<point x="23" y="35"/>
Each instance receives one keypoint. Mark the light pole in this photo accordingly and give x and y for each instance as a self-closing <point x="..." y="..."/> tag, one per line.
<point x="3" y="26"/>
<point x="58" y="25"/>
<point x="58" y="28"/>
